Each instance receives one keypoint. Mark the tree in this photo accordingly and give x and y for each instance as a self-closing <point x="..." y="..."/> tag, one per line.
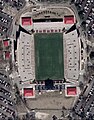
<point x="81" y="85"/>
<point x="54" y="117"/>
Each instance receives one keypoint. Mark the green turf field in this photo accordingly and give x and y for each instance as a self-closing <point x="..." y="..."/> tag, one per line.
<point x="49" y="56"/>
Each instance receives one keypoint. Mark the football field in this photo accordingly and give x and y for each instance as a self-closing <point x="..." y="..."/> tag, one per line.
<point x="49" y="62"/>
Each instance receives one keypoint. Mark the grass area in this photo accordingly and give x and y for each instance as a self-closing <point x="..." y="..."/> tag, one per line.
<point x="49" y="56"/>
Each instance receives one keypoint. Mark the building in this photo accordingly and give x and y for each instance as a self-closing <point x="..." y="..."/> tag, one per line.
<point x="48" y="53"/>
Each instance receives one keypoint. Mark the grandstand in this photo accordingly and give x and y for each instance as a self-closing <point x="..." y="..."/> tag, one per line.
<point x="25" y="57"/>
<point x="71" y="56"/>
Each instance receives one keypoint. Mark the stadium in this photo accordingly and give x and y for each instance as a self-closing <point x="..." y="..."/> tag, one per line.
<point x="46" y="53"/>
<point x="49" y="54"/>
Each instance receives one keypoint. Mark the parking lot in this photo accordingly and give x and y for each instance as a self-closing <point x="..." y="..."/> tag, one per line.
<point x="84" y="106"/>
<point x="7" y="106"/>
<point x="18" y="4"/>
<point x="5" y="23"/>
<point x="8" y="9"/>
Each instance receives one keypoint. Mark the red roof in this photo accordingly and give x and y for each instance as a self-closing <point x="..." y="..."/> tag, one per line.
<point x="6" y="43"/>
<point x="7" y="55"/>
<point x="28" y="92"/>
<point x="71" y="91"/>
<point x="26" y="21"/>
<point x="69" y="19"/>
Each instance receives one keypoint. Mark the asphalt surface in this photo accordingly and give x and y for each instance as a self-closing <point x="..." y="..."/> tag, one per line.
<point x="7" y="107"/>
<point x="6" y="15"/>
<point x="84" y="102"/>
<point x="5" y="23"/>
<point x="18" y="4"/>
